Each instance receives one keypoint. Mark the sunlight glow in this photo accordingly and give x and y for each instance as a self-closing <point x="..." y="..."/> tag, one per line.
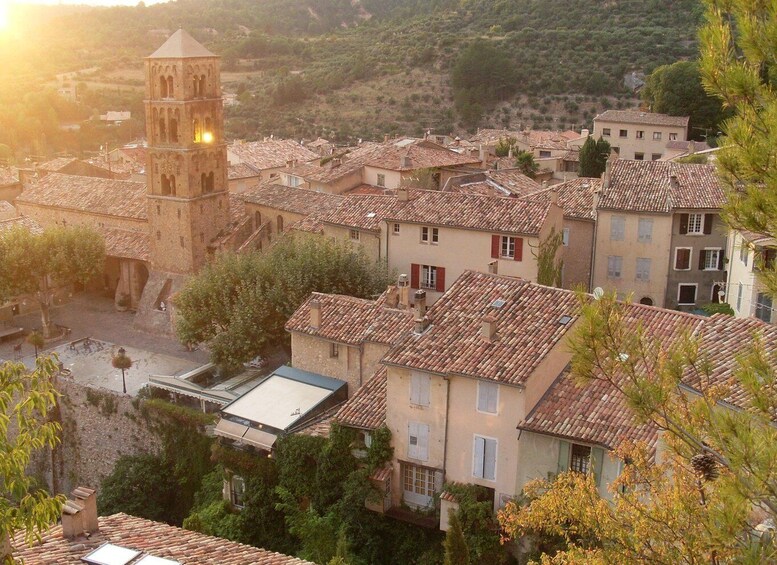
<point x="4" y="14"/>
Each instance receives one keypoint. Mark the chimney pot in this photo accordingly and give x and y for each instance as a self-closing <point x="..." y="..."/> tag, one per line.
<point x="403" y="194"/>
<point x="673" y="182"/>
<point x="493" y="267"/>
<point x="488" y="328"/>
<point x="392" y="296"/>
<point x="554" y="196"/>
<point x="404" y="291"/>
<point x="315" y="313"/>
<point x="419" y="301"/>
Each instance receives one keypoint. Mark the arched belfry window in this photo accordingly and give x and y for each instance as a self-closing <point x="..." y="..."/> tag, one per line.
<point x="162" y="129"/>
<point x="204" y="182"/>
<point x="173" y="130"/>
<point x="197" y="133"/>
<point x="202" y="85"/>
<point x="165" y="185"/>
<point x="170" y="87"/>
<point x="172" y="185"/>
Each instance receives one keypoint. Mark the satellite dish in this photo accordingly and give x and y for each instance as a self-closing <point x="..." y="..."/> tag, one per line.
<point x="598" y="292"/>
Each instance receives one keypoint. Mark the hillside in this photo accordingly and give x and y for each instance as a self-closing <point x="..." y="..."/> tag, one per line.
<point x="361" y="68"/>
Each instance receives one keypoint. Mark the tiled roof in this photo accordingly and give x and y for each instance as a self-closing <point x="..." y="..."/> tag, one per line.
<point x="271" y="153"/>
<point x="126" y="244"/>
<point x="416" y="155"/>
<point x="352" y="320"/>
<point x="296" y="200"/>
<point x="9" y="175"/>
<point x="646" y="118"/>
<point x="687" y="145"/>
<point x="22" y="222"/>
<point x="117" y="168"/>
<point x="528" y="326"/>
<point x="7" y="210"/>
<point x="369" y="189"/>
<point x="467" y="211"/>
<point x="56" y="164"/>
<point x="121" y="198"/>
<point x="483" y="187"/>
<point x="367" y="408"/>
<point x="576" y="197"/>
<point x="645" y="186"/>
<point x="241" y="171"/>
<point x="309" y="224"/>
<point x="514" y="181"/>
<point x="237" y="208"/>
<point x="153" y="538"/>
<point x="541" y="139"/>
<point x="337" y="166"/>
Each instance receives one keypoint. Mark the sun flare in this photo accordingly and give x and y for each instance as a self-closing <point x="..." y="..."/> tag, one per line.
<point x="4" y="14"/>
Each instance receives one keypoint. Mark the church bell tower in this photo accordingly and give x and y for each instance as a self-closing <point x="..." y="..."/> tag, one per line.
<point x="186" y="168"/>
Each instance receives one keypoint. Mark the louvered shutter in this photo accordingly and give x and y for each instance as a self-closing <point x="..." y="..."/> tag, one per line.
<point x="597" y="459"/>
<point x="440" y="279"/>
<point x="721" y="256"/>
<point x="708" y="223"/>
<point x="412" y="440"/>
<point x="683" y="223"/>
<point x="702" y="258"/>
<point x="415" y="389"/>
<point x="423" y="442"/>
<point x="478" y="455"/>
<point x="489" y="460"/>
<point x="518" y="249"/>
<point x="493" y="394"/>
<point x="495" y="243"/>
<point x="563" y="456"/>
<point x="415" y="275"/>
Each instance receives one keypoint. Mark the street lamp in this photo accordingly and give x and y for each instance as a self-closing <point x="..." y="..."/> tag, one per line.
<point x="122" y="361"/>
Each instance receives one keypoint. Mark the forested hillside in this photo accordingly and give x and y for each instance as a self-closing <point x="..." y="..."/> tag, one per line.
<point x="358" y="68"/>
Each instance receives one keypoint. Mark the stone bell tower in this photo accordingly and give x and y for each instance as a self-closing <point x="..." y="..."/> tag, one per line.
<point x="188" y="194"/>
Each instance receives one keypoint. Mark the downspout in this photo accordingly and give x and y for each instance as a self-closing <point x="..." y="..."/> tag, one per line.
<point x="593" y="255"/>
<point x="447" y="410"/>
<point x="387" y="241"/>
<point x="361" y="359"/>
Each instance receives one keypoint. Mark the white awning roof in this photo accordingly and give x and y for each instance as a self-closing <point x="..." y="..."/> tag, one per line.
<point x="244" y="434"/>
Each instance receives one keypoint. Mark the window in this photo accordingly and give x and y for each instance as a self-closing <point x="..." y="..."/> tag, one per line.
<point x="565" y="237"/>
<point x="672" y="137"/>
<point x="420" y="388"/>
<point x="695" y="224"/>
<point x="484" y="458"/>
<point x="279" y="222"/>
<point x="686" y="294"/>
<point x="639" y="156"/>
<point x="381" y="180"/>
<point x="418" y="485"/>
<point x="418" y="441"/>
<point x="646" y="300"/>
<point x="354" y="235"/>
<point x="294" y="182"/>
<point x="763" y="307"/>
<point x="616" y="149"/>
<point x="429" y="277"/>
<point x="334" y="350"/>
<point x="655" y="156"/>
<point x="395" y="229"/>
<point x="488" y="397"/>
<point x="645" y="230"/>
<point x="682" y="259"/>
<point x="606" y="132"/>
<point x="739" y="298"/>
<point x="744" y="253"/>
<point x="507" y="247"/>
<point x="614" y="266"/>
<point x="580" y="458"/>
<point x="656" y="136"/>
<point x="617" y="228"/>
<point x="711" y="260"/>
<point x="643" y="268"/>
<point x="237" y="491"/>
<point x="430" y="235"/>
<point x="544" y="154"/>
<point x="640" y="134"/>
<point x="624" y="133"/>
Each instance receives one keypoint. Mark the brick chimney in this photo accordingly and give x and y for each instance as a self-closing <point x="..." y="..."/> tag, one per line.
<point x="607" y="174"/>
<point x="315" y="313"/>
<point x="404" y="292"/>
<point x="493" y="267"/>
<point x="403" y="194"/>
<point x="392" y="296"/>
<point x="79" y="515"/>
<point x="488" y="328"/>
<point x="88" y="499"/>
<point x="419" y="302"/>
<point x="673" y="182"/>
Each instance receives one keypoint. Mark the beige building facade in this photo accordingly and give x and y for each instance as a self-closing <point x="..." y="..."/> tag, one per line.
<point x="642" y="136"/>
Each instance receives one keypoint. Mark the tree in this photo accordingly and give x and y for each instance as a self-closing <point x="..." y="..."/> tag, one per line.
<point x="27" y="401"/>
<point x="549" y="266"/>
<point x="36" y="340"/>
<point x="122" y="362"/>
<point x="593" y="157"/>
<point x="38" y="264"/>
<point x="456" y="550"/>
<point x="524" y="161"/>
<point x="677" y="90"/>
<point x="504" y="145"/>
<point x="240" y="303"/>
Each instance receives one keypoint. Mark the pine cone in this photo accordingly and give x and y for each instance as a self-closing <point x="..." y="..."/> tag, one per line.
<point x="705" y="466"/>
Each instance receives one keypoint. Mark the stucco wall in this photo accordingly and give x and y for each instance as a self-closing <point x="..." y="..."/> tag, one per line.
<point x="741" y="273"/>
<point x="630" y="145"/>
<point x="371" y="242"/>
<point x="49" y="216"/>
<point x="311" y="353"/>
<point x="577" y="255"/>
<point x="370" y="176"/>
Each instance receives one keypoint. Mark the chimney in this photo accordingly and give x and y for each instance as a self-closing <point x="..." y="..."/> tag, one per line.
<point x="553" y="196"/>
<point x="72" y="520"/>
<point x="404" y="292"/>
<point x="544" y="184"/>
<point x="419" y="301"/>
<point x="510" y="152"/>
<point x="392" y="296"/>
<point x="289" y="163"/>
<point x="315" y="313"/>
<point x="488" y="328"/>
<point x="405" y="163"/>
<point x="336" y="162"/>
<point x="673" y="182"/>
<point x="607" y="174"/>
<point x="585" y="132"/>
<point x="87" y="498"/>
<point x="482" y="154"/>
<point x="493" y="267"/>
<point x="403" y="194"/>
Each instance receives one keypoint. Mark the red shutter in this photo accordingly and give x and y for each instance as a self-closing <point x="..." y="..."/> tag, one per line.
<point x="440" y="279"/>
<point x="495" y="243"/>
<point x="707" y="224"/>
<point x="415" y="275"/>
<point x="683" y="224"/>
<point x="518" y="249"/>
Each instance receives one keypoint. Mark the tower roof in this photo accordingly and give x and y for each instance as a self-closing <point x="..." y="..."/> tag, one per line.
<point x="181" y="45"/>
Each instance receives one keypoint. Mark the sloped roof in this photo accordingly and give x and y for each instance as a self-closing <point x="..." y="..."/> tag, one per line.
<point x="242" y="171"/>
<point x="575" y="197"/>
<point x="514" y="181"/>
<point x="126" y="244"/>
<point x="297" y="200"/>
<point x="271" y="153"/>
<point x="9" y="175"/>
<point x="180" y="45"/>
<point x="367" y="408"/>
<point x="416" y="155"/>
<point x="528" y="327"/>
<point x="153" y="538"/>
<point x="23" y="222"/>
<point x="645" y="118"/>
<point x="93" y="195"/>
<point x="56" y="164"/>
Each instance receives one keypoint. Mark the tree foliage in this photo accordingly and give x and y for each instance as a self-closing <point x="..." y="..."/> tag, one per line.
<point x="27" y="401"/>
<point x="239" y="304"/>
<point x="456" y="550"/>
<point x="593" y="157"/>
<point x="524" y="162"/>
<point x="549" y="264"/>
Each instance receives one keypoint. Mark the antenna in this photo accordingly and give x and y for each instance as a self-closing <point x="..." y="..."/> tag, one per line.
<point x="598" y="293"/>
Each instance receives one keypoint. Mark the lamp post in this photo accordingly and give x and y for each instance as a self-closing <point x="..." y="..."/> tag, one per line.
<point x="122" y="361"/>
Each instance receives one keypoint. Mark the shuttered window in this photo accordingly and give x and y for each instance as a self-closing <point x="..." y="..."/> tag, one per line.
<point x="418" y="441"/>
<point x="488" y="396"/>
<point x="420" y="387"/>
<point x="484" y="458"/>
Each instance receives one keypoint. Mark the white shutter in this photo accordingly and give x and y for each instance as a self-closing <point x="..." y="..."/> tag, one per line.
<point x="412" y="440"/>
<point x="488" y="394"/>
<point x="420" y="386"/>
<point x="489" y="459"/>
<point x="493" y="394"/>
<point x="478" y="454"/>
<point x="426" y="382"/>
<point x="418" y="441"/>
<point x="423" y="442"/>
<point x="415" y="388"/>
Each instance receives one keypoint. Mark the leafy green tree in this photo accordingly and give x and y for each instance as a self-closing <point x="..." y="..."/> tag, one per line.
<point x="593" y="157"/>
<point x="456" y="550"/>
<point x="36" y="340"/>
<point x="481" y="75"/>
<point x="677" y="90"/>
<point x="239" y="304"/>
<point x="27" y="402"/>
<point x="524" y="161"/>
<point x="504" y="145"/>
<point x="38" y="264"/>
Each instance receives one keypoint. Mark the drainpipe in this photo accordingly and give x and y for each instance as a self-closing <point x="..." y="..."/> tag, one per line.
<point x="447" y="411"/>
<point x="387" y="240"/>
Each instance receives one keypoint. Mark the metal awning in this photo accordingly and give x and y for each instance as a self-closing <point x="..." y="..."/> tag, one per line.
<point x="181" y="386"/>
<point x="244" y="434"/>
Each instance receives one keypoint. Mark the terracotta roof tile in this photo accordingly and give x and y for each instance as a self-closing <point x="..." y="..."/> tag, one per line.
<point x="152" y="538"/>
<point x="638" y="117"/>
<point x="575" y="197"/>
<point x="242" y="171"/>
<point x="126" y="244"/>
<point x="89" y="194"/>
<point x="23" y="222"/>
<point x="297" y="200"/>
<point x="514" y="181"/>
<point x="419" y="154"/>
<point x="367" y="408"/>
<point x="271" y="153"/>
<point x="9" y="175"/>
<point x="56" y="164"/>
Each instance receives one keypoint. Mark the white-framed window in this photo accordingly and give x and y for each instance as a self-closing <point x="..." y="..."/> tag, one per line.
<point x="656" y="136"/>
<point x="682" y="258"/>
<point x="640" y="134"/>
<point x="672" y="137"/>
<point x="739" y="297"/>
<point x="643" y="268"/>
<point x="488" y="397"/>
<point x="429" y="277"/>
<point x="294" y="181"/>
<point x="696" y="223"/>
<point x="507" y="248"/>
<point x="484" y="458"/>
<point x="686" y="294"/>
<point x="624" y="133"/>
<point x="418" y="485"/>
<point x="606" y="132"/>
<point x="430" y="235"/>
<point x="237" y="491"/>
<point x="381" y="180"/>
<point x="711" y="259"/>
<point x="614" y="266"/>
<point x="354" y="235"/>
<point x="645" y="230"/>
<point x="420" y="389"/>
<point x="639" y="156"/>
<point x="744" y="253"/>
<point x="565" y="237"/>
<point x="395" y="229"/>
<point x="334" y="350"/>
<point x="617" y="228"/>
<point x="418" y="441"/>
